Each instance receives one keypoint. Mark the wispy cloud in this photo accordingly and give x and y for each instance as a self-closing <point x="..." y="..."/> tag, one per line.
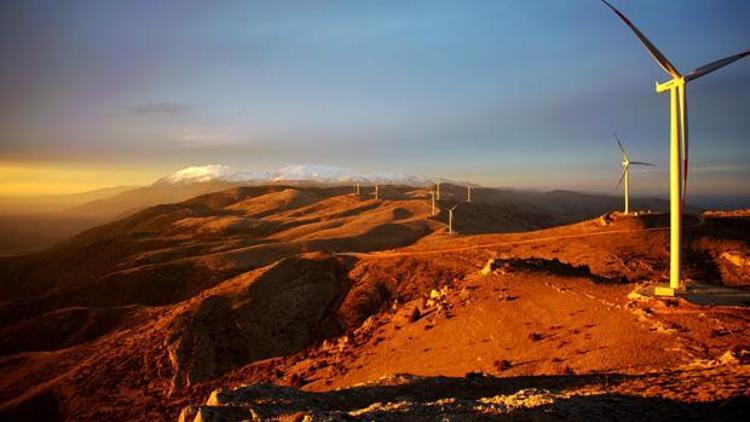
<point x="208" y="137"/>
<point x="166" y="108"/>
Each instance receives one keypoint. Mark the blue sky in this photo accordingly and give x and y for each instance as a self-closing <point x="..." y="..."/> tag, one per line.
<point x="505" y="93"/>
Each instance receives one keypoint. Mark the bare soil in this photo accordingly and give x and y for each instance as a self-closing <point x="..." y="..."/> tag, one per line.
<point x="280" y="302"/>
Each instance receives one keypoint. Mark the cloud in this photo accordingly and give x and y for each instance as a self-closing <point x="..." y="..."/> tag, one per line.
<point x="208" y="137"/>
<point x="166" y="108"/>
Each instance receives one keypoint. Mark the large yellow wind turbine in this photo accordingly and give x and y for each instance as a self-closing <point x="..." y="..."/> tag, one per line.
<point x="678" y="145"/>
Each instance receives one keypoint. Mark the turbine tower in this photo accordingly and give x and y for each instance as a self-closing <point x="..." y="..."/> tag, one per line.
<point x="468" y="193"/>
<point x="626" y="163"/>
<point x="434" y="208"/>
<point x="377" y="192"/>
<point x="678" y="141"/>
<point x="450" y="219"/>
<point x="356" y="187"/>
<point x="437" y="188"/>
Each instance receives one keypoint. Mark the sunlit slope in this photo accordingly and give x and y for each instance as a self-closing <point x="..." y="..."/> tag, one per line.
<point x="219" y="233"/>
<point x="246" y="284"/>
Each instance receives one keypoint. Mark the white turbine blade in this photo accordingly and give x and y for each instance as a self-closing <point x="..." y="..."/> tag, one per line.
<point x="622" y="148"/>
<point x="684" y="139"/>
<point x="718" y="64"/>
<point x="641" y="163"/>
<point x="624" y="170"/>
<point x="661" y="60"/>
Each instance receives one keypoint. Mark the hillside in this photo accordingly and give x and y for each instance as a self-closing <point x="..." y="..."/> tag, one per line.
<point x="33" y="224"/>
<point x="315" y="289"/>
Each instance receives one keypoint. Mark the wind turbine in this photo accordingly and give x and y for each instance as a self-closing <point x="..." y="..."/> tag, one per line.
<point x="468" y="193"/>
<point x="437" y="188"/>
<point x="626" y="163"/>
<point x="377" y="192"/>
<point x="356" y="187"/>
<point x="450" y="219"/>
<point x="434" y="208"/>
<point x="678" y="141"/>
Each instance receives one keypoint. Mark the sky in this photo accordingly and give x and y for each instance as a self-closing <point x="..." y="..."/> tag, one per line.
<point x="523" y="94"/>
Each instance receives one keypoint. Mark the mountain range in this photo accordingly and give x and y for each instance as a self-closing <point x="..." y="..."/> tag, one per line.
<point x="299" y="173"/>
<point x="33" y="227"/>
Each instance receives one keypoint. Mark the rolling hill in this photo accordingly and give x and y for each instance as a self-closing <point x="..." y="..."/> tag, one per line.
<point x="314" y="288"/>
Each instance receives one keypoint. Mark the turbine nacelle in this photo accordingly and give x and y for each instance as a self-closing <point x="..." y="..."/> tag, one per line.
<point x="669" y="85"/>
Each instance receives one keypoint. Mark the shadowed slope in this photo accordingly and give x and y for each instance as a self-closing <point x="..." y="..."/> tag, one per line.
<point x="270" y="312"/>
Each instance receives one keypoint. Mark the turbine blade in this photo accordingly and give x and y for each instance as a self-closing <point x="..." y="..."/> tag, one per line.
<point x="718" y="64"/>
<point x="684" y="142"/>
<point x="622" y="176"/>
<point x="622" y="148"/>
<point x="661" y="60"/>
<point x="641" y="163"/>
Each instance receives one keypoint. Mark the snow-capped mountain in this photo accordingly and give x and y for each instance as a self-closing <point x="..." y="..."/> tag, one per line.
<point x="197" y="174"/>
<point x="316" y="173"/>
<point x="294" y="173"/>
<point x="385" y="177"/>
<point x="211" y="173"/>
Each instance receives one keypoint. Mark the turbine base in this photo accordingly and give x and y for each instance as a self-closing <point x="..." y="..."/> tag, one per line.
<point x="663" y="290"/>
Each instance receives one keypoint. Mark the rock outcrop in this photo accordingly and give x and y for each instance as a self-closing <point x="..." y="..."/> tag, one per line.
<point x="275" y="311"/>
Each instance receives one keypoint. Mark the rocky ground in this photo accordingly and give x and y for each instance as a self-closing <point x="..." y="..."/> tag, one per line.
<point x="522" y="340"/>
<point x="306" y="303"/>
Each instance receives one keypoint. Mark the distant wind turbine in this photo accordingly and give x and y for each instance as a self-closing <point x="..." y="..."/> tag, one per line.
<point x="377" y="192"/>
<point x="437" y="188"/>
<point x="626" y="163"/>
<point x="434" y="208"/>
<point x="450" y="219"/>
<point x="678" y="144"/>
<point x="468" y="193"/>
